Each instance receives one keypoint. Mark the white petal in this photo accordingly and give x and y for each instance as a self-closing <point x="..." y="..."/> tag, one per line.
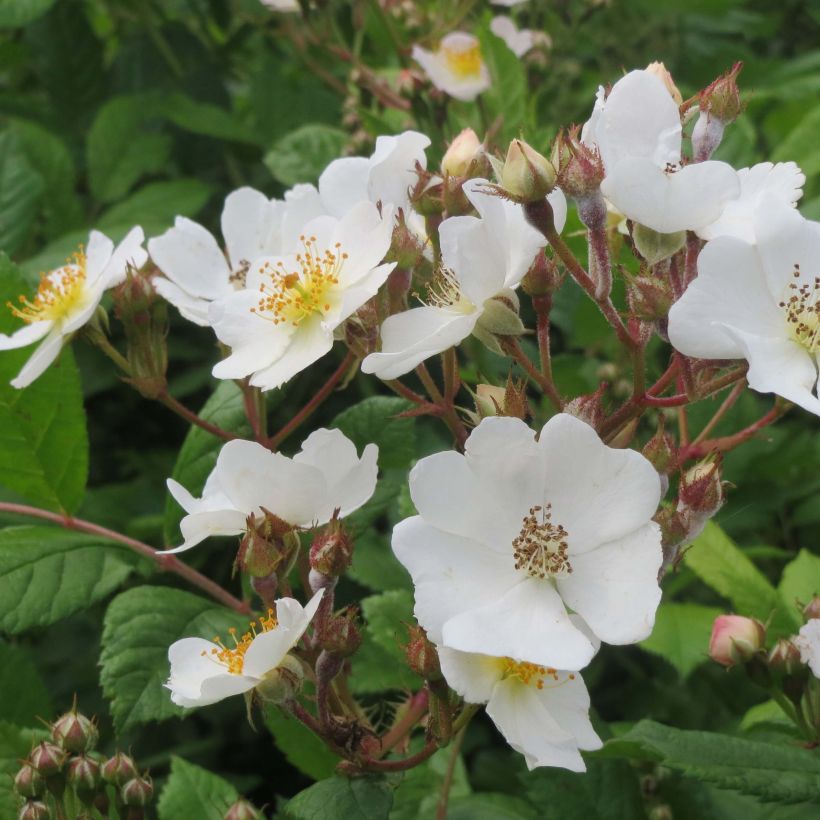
<point x="731" y="288"/>
<point x="639" y="119"/>
<point x="220" y="687"/>
<point x="128" y="252"/>
<point x="451" y="574"/>
<point x="808" y="642"/>
<point x="393" y="167"/>
<point x="198" y="526"/>
<point x="364" y="236"/>
<point x="598" y="493"/>
<point x="353" y="297"/>
<point x="614" y="588"/>
<point x="351" y="481"/>
<point x="410" y="337"/>
<point x="45" y="353"/>
<point x="189" y="256"/>
<point x="193" y="308"/>
<point x="567" y="700"/>
<point x="247" y="225"/>
<point x="519" y="42"/>
<point x="343" y="184"/>
<point x="687" y="199"/>
<point x="528" y="622"/>
<point x="303" y="204"/>
<point x="780" y="366"/>
<point x="441" y="75"/>
<point x="25" y="335"/>
<point x="98" y="254"/>
<point x="527" y="725"/>
<point x="472" y="675"/>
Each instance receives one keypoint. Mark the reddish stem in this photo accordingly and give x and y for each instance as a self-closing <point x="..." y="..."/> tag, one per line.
<point x="181" y="410"/>
<point x="665" y="401"/>
<point x="511" y="345"/>
<point x="724" y="443"/>
<point x="416" y="707"/>
<point x="165" y="562"/>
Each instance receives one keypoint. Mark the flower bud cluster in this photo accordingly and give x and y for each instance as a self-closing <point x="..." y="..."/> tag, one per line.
<point x="526" y="175"/>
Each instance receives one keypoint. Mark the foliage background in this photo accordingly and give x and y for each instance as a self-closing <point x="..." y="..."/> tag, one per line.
<point x="116" y="112"/>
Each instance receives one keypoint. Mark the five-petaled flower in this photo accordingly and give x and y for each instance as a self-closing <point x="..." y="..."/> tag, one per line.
<point x="456" y="66"/>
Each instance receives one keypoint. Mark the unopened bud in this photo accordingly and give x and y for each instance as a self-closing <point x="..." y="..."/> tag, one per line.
<point x="701" y="489"/>
<point x="784" y="658"/>
<point x="489" y="400"/>
<point x="406" y="247"/>
<point x="47" y="758"/>
<point x="332" y="550"/>
<point x="500" y="317"/>
<point x="721" y="99"/>
<point x="28" y="782"/>
<point x="426" y="194"/>
<point x="462" y="154"/>
<point x="34" y="810"/>
<point x="119" y="769"/>
<point x="137" y="792"/>
<point x="589" y="407"/>
<point x="283" y="683"/>
<point x="362" y="328"/>
<point x="527" y="175"/>
<point x="84" y="774"/>
<point x="579" y="166"/>
<point x="654" y="247"/>
<point x="660" y="71"/>
<point x="265" y="547"/>
<point x="543" y="277"/>
<point x="812" y="608"/>
<point x="660" y="450"/>
<point x="242" y="810"/>
<point x="649" y="297"/>
<point x="340" y="635"/>
<point x="735" y="639"/>
<point x="74" y="732"/>
<point x="422" y="656"/>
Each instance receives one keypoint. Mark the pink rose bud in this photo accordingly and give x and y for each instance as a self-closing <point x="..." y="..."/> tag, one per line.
<point x="735" y="639"/>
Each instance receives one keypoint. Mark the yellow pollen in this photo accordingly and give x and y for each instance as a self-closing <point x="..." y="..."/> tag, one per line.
<point x="465" y="63"/>
<point x="802" y="307"/>
<point x="58" y="293"/>
<point x="233" y="657"/>
<point x="530" y="674"/>
<point x="541" y="548"/>
<point x="444" y="291"/>
<point x="293" y="295"/>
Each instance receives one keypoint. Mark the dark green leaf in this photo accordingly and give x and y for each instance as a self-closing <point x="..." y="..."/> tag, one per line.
<point x="15" y="13"/>
<point x="374" y="564"/>
<point x="302" y="155"/>
<point x="25" y="697"/>
<point x="418" y="793"/>
<point x="800" y="581"/>
<point x="507" y="96"/>
<point x="21" y="188"/>
<point x="300" y="746"/>
<point x="15" y="744"/>
<point x="194" y="792"/>
<point x="206" y="119"/>
<point x="337" y="798"/>
<point x="681" y="634"/>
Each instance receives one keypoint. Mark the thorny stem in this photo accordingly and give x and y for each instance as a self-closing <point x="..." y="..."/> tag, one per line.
<point x="181" y="410"/>
<point x="600" y="262"/>
<point x="405" y="392"/>
<point x="727" y="403"/>
<point x="165" y="562"/>
<point x="255" y="410"/>
<point x="304" y="414"/>
<point x="543" y="307"/>
<point x="449" y="413"/>
<point x="416" y="707"/>
<point x="444" y="795"/>
<point x="511" y="345"/>
<point x="452" y="380"/>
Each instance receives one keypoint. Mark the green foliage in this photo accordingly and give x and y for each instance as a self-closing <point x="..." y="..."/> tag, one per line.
<point x="47" y="574"/>
<point x="15" y="744"/>
<point x="417" y="794"/>
<point x="800" y="581"/>
<point x="15" y="13"/>
<point x="21" y="188"/>
<point x="25" y="697"/>
<point x="340" y="798"/>
<point x="300" y="746"/>
<point x="139" y="626"/>
<point x="303" y="154"/>
<point x="192" y="791"/>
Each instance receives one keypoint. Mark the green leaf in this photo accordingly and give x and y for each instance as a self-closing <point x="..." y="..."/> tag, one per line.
<point x="338" y="798"/>
<point x="120" y="149"/>
<point x="720" y="564"/>
<point x="300" y="746"/>
<point x="417" y="794"/>
<point x="374" y="564"/>
<point x="139" y="626"/>
<point x="801" y="143"/>
<point x="608" y="790"/>
<point x="197" y="457"/>
<point x="192" y="791"/>
<point x="206" y="119"/>
<point x="681" y="634"/>
<point x="768" y="713"/>
<point x="769" y="771"/>
<point x="800" y="581"/>
<point x="15" y="13"/>
<point x="15" y="744"/>
<point x="43" y="438"/>
<point x="302" y="155"/>
<point x="25" y="697"/>
<point x="21" y="188"/>
<point x="47" y="574"/>
<point x="155" y="205"/>
<point x="375" y="420"/>
<point x="492" y="806"/>
<point x="507" y="96"/>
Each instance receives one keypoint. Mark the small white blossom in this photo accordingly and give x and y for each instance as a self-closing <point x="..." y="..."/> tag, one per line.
<point x="284" y="318"/>
<point x="302" y="491"/>
<point x="542" y="712"/>
<point x="456" y="66"/>
<point x="519" y="41"/>
<point x="637" y="129"/>
<point x="68" y="297"/>
<point x="204" y="672"/>
<point x="515" y="532"/>
<point x="808" y="642"/>
<point x="760" y="303"/>
<point x="286" y="6"/>
<point x="481" y="257"/>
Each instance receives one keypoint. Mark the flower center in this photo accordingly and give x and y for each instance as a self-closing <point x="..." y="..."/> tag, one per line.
<point x="58" y="293"/>
<point x="540" y="549"/>
<point x="292" y="295"/>
<point x="464" y="60"/>
<point x="233" y="657"/>
<point x="530" y="674"/>
<point x="802" y="307"/>
<point x="444" y="292"/>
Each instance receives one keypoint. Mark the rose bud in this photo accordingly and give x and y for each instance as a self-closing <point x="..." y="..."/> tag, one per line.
<point x="784" y="658"/>
<point x="119" y="769"/>
<point x="464" y="150"/>
<point x="422" y="656"/>
<point x="28" y="782"/>
<point x="47" y="758"/>
<point x="735" y="639"/>
<point x="75" y="732"/>
<point x="137" y="791"/>
<point x="812" y="608"/>
<point x="527" y="175"/>
<point x="34" y="810"/>
<point x="242" y="810"/>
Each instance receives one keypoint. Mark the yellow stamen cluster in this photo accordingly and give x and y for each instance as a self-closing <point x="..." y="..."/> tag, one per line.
<point x="233" y="657"/>
<point x="463" y="62"/>
<point x="57" y="295"/>
<point x="802" y="307"/>
<point x="530" y="674"/>
<point x="292" y="295"/>
<point x="541" y="548"/>
<point x="444" y="291"/>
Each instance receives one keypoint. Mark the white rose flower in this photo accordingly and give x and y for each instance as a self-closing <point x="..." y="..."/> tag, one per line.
<point x="760" y="303"/>
<point x="808" y="642"/>
<point x="456" y="66"/>
<point x="515" y="532"/>
<point x="68" y="297"/>
<point x="519" y="41"/>
<point x="481" y="257"/>
<point x="637" y="130"/>
<point x="285" y="317"/>
<point x="542" y="712"/>
<point x="302" y="491"/>
<point x="204" y="672"/>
